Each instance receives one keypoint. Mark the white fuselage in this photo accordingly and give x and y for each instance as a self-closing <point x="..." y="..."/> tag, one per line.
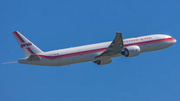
<point x="90" y="52"/>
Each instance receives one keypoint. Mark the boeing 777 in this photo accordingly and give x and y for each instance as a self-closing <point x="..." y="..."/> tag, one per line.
<point x="100" y="53"/>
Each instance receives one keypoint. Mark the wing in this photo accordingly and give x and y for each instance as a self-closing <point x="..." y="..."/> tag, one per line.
<point x="114" y="48"/>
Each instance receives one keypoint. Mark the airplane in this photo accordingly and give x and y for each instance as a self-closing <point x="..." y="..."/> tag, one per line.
<point x="100" y="53"/>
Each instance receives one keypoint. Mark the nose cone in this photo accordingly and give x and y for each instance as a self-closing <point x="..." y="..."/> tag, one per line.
<point x="173" y="41"/>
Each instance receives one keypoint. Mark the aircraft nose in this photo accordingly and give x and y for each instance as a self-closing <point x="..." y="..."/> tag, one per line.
<point x="174" y="40"/>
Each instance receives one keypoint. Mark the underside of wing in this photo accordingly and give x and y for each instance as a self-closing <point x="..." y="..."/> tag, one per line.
<point x="114" y="48"/>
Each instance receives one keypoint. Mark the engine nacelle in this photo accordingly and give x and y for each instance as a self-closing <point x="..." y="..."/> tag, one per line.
<point x="103" y="62"/>
<point x="131" y="51"/>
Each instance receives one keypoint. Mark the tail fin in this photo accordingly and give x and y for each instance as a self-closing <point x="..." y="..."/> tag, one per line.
<point x="27" y="46"/>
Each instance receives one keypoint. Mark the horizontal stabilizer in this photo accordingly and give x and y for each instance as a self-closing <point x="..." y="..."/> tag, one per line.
<point x="33" y="57"/>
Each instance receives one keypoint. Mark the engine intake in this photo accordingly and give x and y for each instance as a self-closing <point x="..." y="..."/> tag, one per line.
<point x="131" y="51"/>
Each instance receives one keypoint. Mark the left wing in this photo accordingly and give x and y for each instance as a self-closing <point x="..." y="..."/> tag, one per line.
<point x="114" y="48"/>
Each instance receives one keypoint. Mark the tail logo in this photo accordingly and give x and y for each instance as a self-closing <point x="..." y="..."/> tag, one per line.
<point x="26" y="44"/>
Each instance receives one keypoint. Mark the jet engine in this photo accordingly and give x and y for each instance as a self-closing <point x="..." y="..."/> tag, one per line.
<point x="131" y="51"/>
<point x="103" y="62"/>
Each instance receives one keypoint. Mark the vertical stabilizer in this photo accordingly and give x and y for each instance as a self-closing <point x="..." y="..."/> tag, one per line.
<point x="27" y="46"/>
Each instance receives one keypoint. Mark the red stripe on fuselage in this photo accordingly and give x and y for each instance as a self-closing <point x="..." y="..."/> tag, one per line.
<point x="30" y="51"/>
<point x="73" y="54"/>
<point x="18" y="36"/>
<point x="103" y="49"/>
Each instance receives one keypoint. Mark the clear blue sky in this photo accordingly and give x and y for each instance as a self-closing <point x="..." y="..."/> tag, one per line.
<point x="55" y="24"/>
